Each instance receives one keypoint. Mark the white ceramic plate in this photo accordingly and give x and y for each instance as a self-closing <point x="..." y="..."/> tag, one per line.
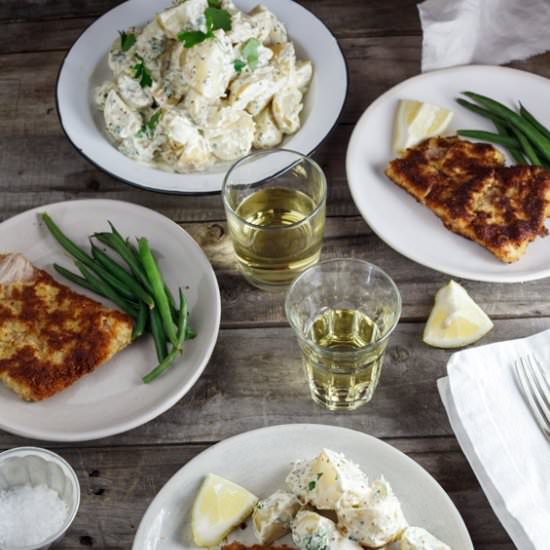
<point x="411" y="228"/>
<point x="260" y="460"/>
<point x="113" y="399"/>
<point x="85" y="67"/>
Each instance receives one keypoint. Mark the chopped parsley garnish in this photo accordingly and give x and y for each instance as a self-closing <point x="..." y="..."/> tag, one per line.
<point x="215" y="3"/>
<point x="141" y="73"/>
<point x="127" y="40"/>
<point x="148" y="129"/>
<point x="319" y="475"/>
<point x="239" y="65"/>
<point x="311" y="485"/>
<point x="216" y="18"/>
<point x="192" y="38"/>
<point x="249" y="51"/>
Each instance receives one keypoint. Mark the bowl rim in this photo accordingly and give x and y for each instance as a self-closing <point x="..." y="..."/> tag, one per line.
<point x="46" y="454"/>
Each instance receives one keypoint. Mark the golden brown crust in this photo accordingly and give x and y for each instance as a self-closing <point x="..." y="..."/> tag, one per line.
<point x="50" y="336"/>
<point x="475" y="195"/>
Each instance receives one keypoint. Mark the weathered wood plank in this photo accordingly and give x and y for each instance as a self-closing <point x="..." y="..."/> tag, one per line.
<point x="118" y="484"/>
<point x="38" y="170"/>
<point x="31" y="138"/>
<point x="244" y="305"/>
<point x="260" y="382"/>
<point x="351" y="237"/>
<point x="344" y="18"/>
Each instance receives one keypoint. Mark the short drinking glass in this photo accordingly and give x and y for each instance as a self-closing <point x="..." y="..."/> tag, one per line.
<point x="343" y="312"/>
<point x="275" y="207"/>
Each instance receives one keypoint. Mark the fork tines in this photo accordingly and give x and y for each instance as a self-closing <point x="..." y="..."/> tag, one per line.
<point x="535" y="387"/>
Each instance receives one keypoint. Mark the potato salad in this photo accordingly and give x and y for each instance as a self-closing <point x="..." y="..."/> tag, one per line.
<point x="330" y="504"/>
<point x="202" y="83"/>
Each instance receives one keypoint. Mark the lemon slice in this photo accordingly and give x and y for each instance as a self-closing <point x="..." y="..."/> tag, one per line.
<point x="456" y="320"/>
<point x="220" y="505"/>
<point x="415" y="121"/>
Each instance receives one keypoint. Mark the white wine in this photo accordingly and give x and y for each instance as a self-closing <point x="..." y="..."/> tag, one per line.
<point x="277" y="234"/>
<point x="343" y="367"/>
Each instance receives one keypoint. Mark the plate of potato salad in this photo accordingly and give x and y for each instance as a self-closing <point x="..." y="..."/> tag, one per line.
<point x="179" y="94"/>
<point x="318" y="488"/>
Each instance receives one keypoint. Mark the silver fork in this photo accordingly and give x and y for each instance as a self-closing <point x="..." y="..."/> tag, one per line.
<point x="536" y="389"/>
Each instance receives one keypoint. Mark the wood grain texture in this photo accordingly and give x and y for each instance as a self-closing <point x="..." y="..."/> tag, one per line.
<point x="255" y="379"/>
<point x="117" y="485"/>
<point x="258" y="382"/>
<point x="363" y="18"/>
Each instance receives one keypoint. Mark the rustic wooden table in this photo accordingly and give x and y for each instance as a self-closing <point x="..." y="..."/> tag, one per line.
<point x="254" y="378"/>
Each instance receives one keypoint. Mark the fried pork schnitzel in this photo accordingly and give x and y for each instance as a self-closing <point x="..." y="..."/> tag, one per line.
<point x="468" y="187"/>
<point x="50" y="336"/>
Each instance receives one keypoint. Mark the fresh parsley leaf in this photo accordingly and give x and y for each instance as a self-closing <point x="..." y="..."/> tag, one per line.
<point x="239" y="65"/>
<point x="217" y="18"/>
<point x="127" y="40"/>
<point x="191" y="38"/>
<point x="250" y="52"/>
<point x="311" y="485"/>
<point x="141" y="73"/>
<point x="148" y="129"/>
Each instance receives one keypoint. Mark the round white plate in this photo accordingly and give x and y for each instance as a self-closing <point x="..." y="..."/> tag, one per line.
<point x="411" y="228"/>
<point x="260" y="460"/>
<point x="85" y="67"/>
<point x="113" y="399"/>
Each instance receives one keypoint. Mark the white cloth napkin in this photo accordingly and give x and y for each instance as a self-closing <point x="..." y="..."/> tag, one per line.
<point x="496" y="431"/>
<point x="461" y="32"/>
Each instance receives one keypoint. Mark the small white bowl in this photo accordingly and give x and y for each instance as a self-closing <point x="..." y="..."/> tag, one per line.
<point x="34" y="466"/>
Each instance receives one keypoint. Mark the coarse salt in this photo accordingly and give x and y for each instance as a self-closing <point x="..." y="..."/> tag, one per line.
<point x="29" y="515"/>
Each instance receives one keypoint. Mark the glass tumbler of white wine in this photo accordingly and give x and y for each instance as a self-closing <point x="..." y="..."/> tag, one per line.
<point x="343" y="312"/>
<point x="275" y="207"/>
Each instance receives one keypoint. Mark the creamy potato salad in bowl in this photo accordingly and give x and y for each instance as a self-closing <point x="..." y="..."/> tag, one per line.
<point x="166" y="95"/>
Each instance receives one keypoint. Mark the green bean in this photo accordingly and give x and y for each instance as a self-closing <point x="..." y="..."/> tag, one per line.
<point x="480" y="111"/>
<point x="114" y="230"/>
<point x="491" y="137"/>
<point x="514" y="153"/>
<point x="113" y="282"/>
<point x="528" y="149"/>
<point x="77" y="279"/>
<point x="123" y="276"/>
<point x="107" y="291"/>
<point x="121" y="248"/>
<point x="533" y="121"/>
<point x="73" y="249"/>
<point x="536" y="137"/>
<point x="155" y="326"/>
<point x="82" y="257"/>
<point x="139" y="326"/>
<point x="155" y="280"/>
<point x="169" y="294"/>
<point x="169" y="359"/>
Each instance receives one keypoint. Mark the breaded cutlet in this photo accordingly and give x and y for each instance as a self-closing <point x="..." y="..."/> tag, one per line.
<point x="51" y="336"/>
<point x="468" y="187"/>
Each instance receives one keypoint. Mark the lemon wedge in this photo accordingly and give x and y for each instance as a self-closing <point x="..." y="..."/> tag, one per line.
<point x="220" y="505"/>
<point x="415" y="121"/>
<point x="456" y="320"/>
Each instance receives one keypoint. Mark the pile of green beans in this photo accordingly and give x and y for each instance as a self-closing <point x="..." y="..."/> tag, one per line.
<point x="526" y="139"/>
<point x="137" y="289"/>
